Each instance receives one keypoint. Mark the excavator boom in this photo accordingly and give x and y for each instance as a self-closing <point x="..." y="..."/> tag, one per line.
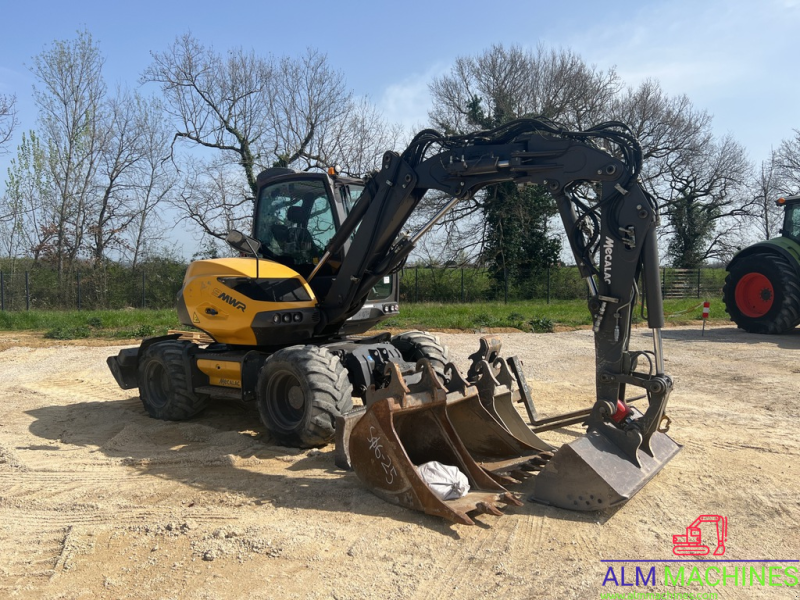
<point x="611" y="231"/>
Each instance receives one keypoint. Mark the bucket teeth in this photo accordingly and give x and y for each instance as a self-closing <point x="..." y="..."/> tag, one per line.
<point x="489" y="509"/>
<point x="406" y="425"/>
<point x="485" y="433"/>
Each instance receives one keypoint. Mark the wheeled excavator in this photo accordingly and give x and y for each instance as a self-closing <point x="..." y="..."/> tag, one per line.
<point x="287" y="319"/>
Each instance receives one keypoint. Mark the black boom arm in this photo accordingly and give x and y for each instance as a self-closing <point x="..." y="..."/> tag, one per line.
<point x="612" y="237"/>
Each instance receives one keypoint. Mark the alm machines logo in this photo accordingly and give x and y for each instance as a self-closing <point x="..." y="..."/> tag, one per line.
<point x="705" y="537"/>
<point x="691" y="542"/>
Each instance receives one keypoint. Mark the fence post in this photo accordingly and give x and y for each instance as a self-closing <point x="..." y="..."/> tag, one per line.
<point x="142" y="288"/>
<point x="416" y="283"/>
<point x="2" y="292"/>
<point x="462" y="285"/>
<point x="27" y="292"/>
<point x="505" y="285"/>
<point x="78" y="282"/>
<point x="663" y="282"/>
<point x="698" y="281"/>
<point x="548" y="284"/>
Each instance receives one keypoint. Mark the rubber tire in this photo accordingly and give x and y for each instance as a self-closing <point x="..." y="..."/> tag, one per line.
<point x="415" y="345"/>
<point x="784" y="314"/>
<point x="165" y="386"/>
<point x="317" y="380"/>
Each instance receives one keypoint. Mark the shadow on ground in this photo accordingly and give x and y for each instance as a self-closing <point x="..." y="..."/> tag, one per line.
<point x="224" y="450"/>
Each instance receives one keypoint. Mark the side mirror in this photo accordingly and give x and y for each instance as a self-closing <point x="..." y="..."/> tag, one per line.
<point x="243" y="243"/>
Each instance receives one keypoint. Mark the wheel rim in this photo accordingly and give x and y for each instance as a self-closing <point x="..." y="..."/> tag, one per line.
<point x="754" y="295"/>
<point x="158" y="385"/>
<point x="286" y="401"/>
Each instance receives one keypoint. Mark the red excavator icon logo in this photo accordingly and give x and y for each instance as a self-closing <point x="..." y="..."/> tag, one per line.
<point x="691" y="543"/>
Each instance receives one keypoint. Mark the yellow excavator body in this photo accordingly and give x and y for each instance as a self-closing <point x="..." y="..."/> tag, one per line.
<point x="236" y="300"/>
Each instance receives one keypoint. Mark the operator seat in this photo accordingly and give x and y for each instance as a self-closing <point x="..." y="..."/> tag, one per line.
<point x="300" y="243"/>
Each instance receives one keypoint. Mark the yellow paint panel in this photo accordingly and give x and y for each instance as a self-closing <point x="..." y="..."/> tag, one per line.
<point x="222" y="312"/>
<point x="222" y="372"/>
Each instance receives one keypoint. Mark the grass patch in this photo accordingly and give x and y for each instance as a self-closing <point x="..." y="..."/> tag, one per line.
<point x="531" y="316"/>
<point x="74" y="324"/>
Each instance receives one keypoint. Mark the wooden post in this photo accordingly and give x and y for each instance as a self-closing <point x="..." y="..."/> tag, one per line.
<point x="548" y="284"/>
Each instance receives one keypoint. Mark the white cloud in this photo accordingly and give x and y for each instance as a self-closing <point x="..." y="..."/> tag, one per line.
<point x="406" y="102"/>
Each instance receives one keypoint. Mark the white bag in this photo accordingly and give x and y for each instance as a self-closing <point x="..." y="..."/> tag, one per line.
<point x="445" y="481"/>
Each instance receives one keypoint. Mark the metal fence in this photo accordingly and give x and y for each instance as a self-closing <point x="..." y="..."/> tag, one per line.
<point x="157" y="285"/>
<point x="115" y="288"/>
<point x="472" y="284"/>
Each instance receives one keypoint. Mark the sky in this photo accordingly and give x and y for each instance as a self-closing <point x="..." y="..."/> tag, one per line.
<point x="735" y="59"/>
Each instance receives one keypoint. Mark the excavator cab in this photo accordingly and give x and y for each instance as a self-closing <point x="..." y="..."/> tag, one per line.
<point x="296" y="216"/>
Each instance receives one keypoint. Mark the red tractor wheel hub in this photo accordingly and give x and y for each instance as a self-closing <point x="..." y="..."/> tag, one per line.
<point x="754" y="295"/>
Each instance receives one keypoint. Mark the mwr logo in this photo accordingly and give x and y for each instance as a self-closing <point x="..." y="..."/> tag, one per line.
<point x="238" y="304"/>
<point x="608" y="250"/>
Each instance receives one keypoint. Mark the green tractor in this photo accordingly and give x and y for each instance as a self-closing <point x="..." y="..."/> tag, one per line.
<point x="762" y="289"/>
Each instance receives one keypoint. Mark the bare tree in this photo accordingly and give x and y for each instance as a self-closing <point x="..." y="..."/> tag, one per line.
<point x="218" y="102"/>
<point x="663" y="124"/>
<point x="80" y="183"/>
<point x="251" y="112"/>
<point x="70" y="98"/>
<point x="309" y="97"/>
<point x="788" y="163"/>
<point x="8" y="120"/>
<point x="505" y="225"/>
<point x="707" y="202"/>
<point x="357" y="141"/>
<point x="152" y="181"/>
<point x="508" y="83"/>
<point x="214" y="197"/>
<point x="766" y="187"/>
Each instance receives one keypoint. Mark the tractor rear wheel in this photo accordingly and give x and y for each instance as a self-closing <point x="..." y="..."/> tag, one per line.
<point x="415" y="345"/>
<point x="300" y="392"/>
<point x="165" y="386"/>
<point x="762" y="294"/>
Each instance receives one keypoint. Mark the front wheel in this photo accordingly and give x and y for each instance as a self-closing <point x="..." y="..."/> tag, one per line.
<point x="300" y="392"/>
<point x="762" y="294"/>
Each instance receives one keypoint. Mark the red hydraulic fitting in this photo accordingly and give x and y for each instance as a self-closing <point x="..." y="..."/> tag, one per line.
<point x="623" y="410"/>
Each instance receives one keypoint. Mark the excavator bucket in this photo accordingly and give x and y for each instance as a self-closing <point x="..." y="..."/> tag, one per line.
<point x="589" y="473"/>
<point x="490" y="441"/>
<point x="593" y="473"/>
<point x="405" y="426"/>
<point x="472" y="423"/>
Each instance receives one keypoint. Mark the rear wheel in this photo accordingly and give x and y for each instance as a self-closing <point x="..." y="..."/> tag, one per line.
<point x="762" y="294"/>
<point x="415" y="345"/>
<point x="164" y="383"/>
<point x="300" y="391"/>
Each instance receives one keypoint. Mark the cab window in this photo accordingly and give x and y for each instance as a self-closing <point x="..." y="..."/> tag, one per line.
<point x="791" y="222"/>
<point x="295" y="221"/>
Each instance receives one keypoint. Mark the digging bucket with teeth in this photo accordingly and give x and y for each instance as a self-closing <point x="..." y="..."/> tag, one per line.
<point x="622" y="450"/>
<point x="404" y="426"/>
<point x="506" y="457"/>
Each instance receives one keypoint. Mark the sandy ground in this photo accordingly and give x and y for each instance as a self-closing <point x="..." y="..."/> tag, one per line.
<point x="99" y="501"/>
